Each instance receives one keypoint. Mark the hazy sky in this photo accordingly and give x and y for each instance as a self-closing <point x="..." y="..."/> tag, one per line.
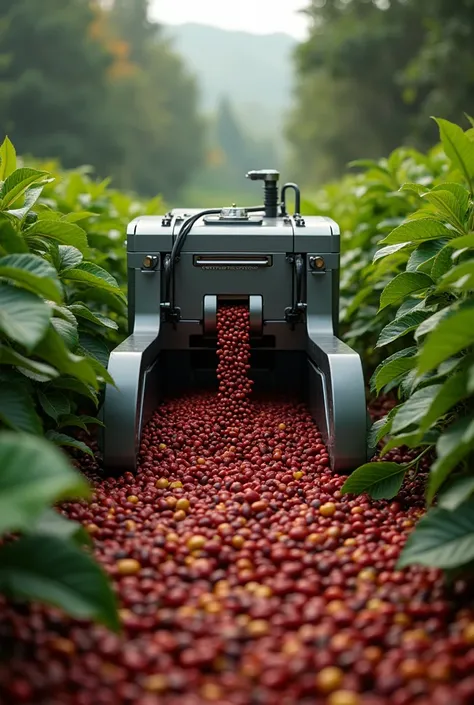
<point x="258" y="16"/>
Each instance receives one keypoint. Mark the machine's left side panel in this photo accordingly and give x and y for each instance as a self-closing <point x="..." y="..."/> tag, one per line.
<point x="135" y="363"/>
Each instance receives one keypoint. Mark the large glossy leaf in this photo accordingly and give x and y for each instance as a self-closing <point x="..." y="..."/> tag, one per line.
<point x="451" y="336"/>
<point x="453" y="391"/>
<point x="24" y="317"/>
<point x="442" y="539"/>
<point x="453" y="445"/>
<point x="76" y="386"/>
<point x="460" y="277"/>
<point x="52" y="523"/>
<point x="31" y="197"/>
<point x="62" y="439"/>
<point x="431" y="322"/>
<point x="81" y="311"/>
<point x="92" y="274"/>
<point x="7" y="159"/>
<point x="417" y="231"/>
<point x="412" y="411"/>
<point x="33" y="273"/>
<point x="17" y="409"/>
<point x="401" y="326"/>
<point x="389" y="250"/>
<point x="53" y="350"/>
<point x="403" y="285"/>
<point x="400" y="354"/>
<point x="449" y="207"/>
<point x="33" y="475"/>
<point x="458" y="148"/>
<point x="425" y="253"/>
<point x="9" y="356"/>
<point x="11" y="241"/>
<point x="380" y="480"/>
<point x="69" y="257"/>
<point x="95" y="347"/>
<point x="456" y="491"/>
<point x="17" y="184"/>
<point x="61" y="232"/>
<point x="392" y="371"/>
<point x="54" y="403"/>
<point x="58" y="572"/>
<point x="67" y="331"/>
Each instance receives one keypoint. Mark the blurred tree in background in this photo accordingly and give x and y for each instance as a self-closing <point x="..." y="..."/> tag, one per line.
<point x="370" y="75"/>
<point x="95" y="82"/>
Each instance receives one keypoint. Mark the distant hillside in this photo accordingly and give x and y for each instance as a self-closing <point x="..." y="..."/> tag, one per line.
<point x="255" y="71"/>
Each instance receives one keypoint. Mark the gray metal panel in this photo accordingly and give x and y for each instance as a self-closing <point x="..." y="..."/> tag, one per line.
<point x="273" y="283"/>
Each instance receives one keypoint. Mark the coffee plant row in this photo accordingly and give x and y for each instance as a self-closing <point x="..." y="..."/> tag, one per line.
<point x="408" y="282"/>
<point x="61" y="309"/>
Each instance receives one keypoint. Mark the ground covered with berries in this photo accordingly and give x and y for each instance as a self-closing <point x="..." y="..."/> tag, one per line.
<point x="244" y="576"/>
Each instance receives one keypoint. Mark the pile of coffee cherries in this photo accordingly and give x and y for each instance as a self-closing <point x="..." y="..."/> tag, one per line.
<point x="244" y="576"/>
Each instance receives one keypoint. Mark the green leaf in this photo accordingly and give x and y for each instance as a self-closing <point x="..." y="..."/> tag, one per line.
<point x="377" y="431"/>
<point x="17" y="184"/>
<point x="417" y="231"/>
<point x="443" y="263"/>
<point x="8" y="356"/>
<point x="460" y="193"/>
<point x="57" y="572"/>
<point x="59" y="231"/>
<point x="424" y="253"/>
<point x="403" y="285"/>
<point x="80" y="310"/>
<point x="52" y="523"/>
<point x="411" y="411"/>
<point x="95" y="347"/>
<point x="430" y="323"/>
<point x="453" y="391"/>
<point x="61" y="439"/>
<point x="456" y="491"/>
<point x="34" y="474"/>
<point x="419" y="189"/>
<point x="7" y="159"/>
<point x="442" y="539"/>
<point x="33" y="273"/>
<point x="389" y="250"/>
<point x="401" y="326"/>
<point x="76" y="386"/>
<point x="400" y="354"/>
<point x="53" y="403"/>
<point x="78" y="216"/>
<point x="448" y="206"/>
<point x="458" y="148"/>
<point x="24" y="317"/>
<point x="463" y="242"/>
<point x="393" y="370"/>
<point x="460" y="277"/>
<point x="88" y="273"/>
<point x="11" y="241"/>
<point x="101" y="371"/>
<point x="17" y="410"/>
<point x="31" y="196"/>
<point x="380" y="480"/>
<point x="452" y="335"/>
<point x="453" y="445"/>
<point x="67" y="331"/>
<point x="53" y="350"/>
<point x="415" y="439"/>
<point x="69" y="257"/>
<point x="73" y="421"/>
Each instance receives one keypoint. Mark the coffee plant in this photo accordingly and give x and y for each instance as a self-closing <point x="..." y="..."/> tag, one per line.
<point x="426" y="267"/>
<point x="53" y="356"/>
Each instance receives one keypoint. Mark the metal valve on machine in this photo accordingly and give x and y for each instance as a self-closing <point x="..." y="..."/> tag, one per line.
<point x="284" y="268"/>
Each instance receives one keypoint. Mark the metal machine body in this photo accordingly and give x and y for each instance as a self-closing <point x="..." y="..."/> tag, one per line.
<point x="285" y="268"/>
